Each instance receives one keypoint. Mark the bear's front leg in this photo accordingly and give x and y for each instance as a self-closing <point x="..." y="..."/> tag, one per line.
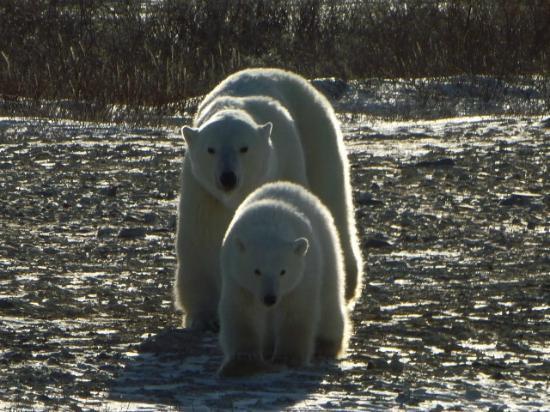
<point x="197" y="296"/>
<point x="295" y="341"/>
<point x="202" y="222"/>
<point x="244" y="364"/>
<point x="242" y="328"/>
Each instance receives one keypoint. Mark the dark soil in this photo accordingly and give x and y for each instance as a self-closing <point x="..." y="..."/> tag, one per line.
<point x="455" y="313"/>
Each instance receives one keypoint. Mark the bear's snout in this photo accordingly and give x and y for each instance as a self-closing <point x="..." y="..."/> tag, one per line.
<point x="270" y="300"/>
<point x="228" y="180"/>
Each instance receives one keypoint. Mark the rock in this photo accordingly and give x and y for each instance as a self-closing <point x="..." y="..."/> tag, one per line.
<point x="132" y="232"/>
<point x="517" y="199"/>
<point x="472" y="394"/>
<point x="13" y="356"/>
<point x="103" y="356"/>
<point x="32" y="250"/>
<point x="365" y="198"/>
<point x="132" y="217"/>
<point x="333" y="89"/>
<point x="377" y="241"/>
<point x="7" y="303"/>
<point x="173" y="222"/>
<point x="105" y="232"/>
<point x="109" y="191"/>
<point x="443" y="162"/>
<point x="403" y="397"/>
<point x="395" y="364"/>
<point x="43" y="398"/>
<point x="86" y="201"/>
<point x="377" y="363"/>
<point x="150" y="218"/>
<point x="171" y="340"/>
<point x="46" y="192"/>
<point x="408" y="218"/>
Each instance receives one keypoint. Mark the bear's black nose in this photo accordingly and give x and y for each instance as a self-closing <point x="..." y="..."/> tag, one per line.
<point x="228" y="180"/>
<point x="270" y="300"/>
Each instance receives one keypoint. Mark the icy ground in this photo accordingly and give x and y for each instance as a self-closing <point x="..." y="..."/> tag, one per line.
<point x="453" y="217"/>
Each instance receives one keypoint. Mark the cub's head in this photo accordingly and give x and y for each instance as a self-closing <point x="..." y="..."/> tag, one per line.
<point x="229" y="155"/>
<point x="269" y="268"/>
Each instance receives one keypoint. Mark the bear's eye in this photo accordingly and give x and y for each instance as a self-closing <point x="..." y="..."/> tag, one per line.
<point x="244" y="149"/>
<point x="283" y="272"/>
<point x="257" y="272"/>
<point x="211" y="150"/>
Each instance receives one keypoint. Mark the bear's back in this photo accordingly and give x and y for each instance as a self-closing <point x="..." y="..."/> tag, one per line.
<point x="255" y="82"/>
<point x="303" y="203"/>
<point x="295" y="197"/>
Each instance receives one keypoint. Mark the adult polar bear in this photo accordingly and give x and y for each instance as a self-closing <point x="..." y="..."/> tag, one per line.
<point x="302" y="131"/>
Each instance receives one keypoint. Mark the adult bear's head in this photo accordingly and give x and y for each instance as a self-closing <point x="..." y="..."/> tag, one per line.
<point x="230" y="155"/>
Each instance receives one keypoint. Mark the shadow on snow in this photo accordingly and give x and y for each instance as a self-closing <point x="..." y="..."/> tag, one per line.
<point x="177" y="367"/>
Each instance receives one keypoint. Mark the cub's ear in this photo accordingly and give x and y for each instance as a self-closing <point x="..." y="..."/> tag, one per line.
<point x="300" y="246"/>
<point x="240" y="245"/>
<point x="190" y="134"/>
<point x="265" y="130"/>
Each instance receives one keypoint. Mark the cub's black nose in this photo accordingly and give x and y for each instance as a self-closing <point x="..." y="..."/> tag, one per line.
<point x="270" y="300"/>
<point x="228" y="180"/>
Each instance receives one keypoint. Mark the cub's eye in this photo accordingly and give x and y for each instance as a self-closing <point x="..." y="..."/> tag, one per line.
<point x="211" y="150"/>
<point x="283" y="272"/>
<point x="244" y="149"/>
<point x="257" y="272"/>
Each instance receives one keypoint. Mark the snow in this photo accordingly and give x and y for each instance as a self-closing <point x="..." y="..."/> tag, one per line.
<point x="453" y="314"/>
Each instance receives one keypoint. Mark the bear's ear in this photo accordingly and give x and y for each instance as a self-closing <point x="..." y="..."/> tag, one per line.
<point x="301" y="245"/>
<point x="240" y="245"/>
<point x="189" y="134"/>
<point x="265" y="130"/>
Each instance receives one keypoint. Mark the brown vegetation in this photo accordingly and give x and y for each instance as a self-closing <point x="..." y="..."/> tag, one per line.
<point x="128" y="52"/>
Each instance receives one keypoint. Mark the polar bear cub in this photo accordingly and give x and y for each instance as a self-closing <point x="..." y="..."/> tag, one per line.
<point x="282" y="296"/>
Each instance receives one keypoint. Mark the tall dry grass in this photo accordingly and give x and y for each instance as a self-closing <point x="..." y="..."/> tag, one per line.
<point x="127" y="52"/>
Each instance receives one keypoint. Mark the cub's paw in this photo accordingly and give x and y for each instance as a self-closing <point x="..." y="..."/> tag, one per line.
<point x="292" y="361"/>
<point x="202" y="323"/>
<point x="244" y="365"/>
<point x="350" y="292"/>
<point x="326" y="348"/>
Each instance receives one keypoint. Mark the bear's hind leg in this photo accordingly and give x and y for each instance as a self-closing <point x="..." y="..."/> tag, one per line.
<point x="331" y="339"/>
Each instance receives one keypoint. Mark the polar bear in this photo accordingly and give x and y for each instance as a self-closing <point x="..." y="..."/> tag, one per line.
<point x="327" y="166"/>
<point x="257" y="126"/>
<point x="241" y="144"/>
<point x="282" y="296"/>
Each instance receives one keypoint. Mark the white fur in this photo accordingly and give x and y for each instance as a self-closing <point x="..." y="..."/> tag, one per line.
<point x="305" y="146"/>
<point x="282" y="245"/>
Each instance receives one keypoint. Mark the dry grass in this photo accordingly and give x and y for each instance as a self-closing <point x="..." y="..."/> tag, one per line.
<point x="124" y="52"/>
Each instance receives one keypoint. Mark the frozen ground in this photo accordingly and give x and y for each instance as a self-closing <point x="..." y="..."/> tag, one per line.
<point x="454" y="219"/>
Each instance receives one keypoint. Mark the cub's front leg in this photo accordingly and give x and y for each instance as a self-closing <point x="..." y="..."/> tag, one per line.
<point x="295" y="338"/>
<point x="242" y="330"/>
